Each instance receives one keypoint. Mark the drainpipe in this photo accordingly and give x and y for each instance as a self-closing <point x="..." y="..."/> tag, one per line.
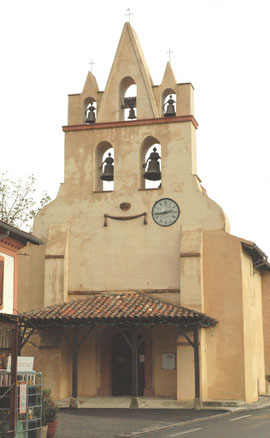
<point x="6" y="234"/>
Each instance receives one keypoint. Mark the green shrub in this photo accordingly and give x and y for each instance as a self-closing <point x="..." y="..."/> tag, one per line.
<point x="49" y="408"/>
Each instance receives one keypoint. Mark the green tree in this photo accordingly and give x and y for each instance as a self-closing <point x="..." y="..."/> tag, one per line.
<point x="18" y="201"/>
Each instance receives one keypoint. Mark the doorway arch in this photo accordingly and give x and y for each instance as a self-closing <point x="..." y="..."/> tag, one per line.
<point x="121" y="363"/>
<point x="113" y="358"/>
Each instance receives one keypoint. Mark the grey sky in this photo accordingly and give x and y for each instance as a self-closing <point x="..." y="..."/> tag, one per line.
<point x="221" y="46"/>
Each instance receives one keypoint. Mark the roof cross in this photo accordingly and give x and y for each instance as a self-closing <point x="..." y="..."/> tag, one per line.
<point x="169" y="52"/>
<point x="129" y="14"/>
<point x="91" y="63"/>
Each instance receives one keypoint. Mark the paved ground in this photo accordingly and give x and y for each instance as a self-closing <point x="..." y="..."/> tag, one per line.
<point x="111" y="423"/>
<point x="250" y="421"/>
<point x="248" y="424"/>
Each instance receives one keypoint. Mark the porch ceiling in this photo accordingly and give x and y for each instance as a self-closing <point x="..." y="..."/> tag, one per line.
<point x="115" y="309"/>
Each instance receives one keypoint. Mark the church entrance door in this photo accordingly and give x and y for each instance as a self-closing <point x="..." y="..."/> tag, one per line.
<point x="121" y="358"/>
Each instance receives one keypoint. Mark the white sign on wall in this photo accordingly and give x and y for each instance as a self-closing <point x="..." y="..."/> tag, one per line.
<point x="168" y="361"/>
<point x="24" y="364"/>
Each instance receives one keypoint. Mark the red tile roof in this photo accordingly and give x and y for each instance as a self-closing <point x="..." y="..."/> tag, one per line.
<point x="113" y="308"/>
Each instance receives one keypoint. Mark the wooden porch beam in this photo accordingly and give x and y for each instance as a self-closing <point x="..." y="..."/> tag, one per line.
<point x="24" y="338"/>
<point x="125" y="337"/>
<point x="85" y="336"/>
<point x="188" y="339"/>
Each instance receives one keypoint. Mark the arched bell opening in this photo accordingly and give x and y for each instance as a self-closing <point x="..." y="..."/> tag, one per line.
<point x="169" y="103"/>
<point x="89" y="110"/>
<point x="128" y="99"/>
<point x="104" y="174"/>
<point x="150" y="164"/>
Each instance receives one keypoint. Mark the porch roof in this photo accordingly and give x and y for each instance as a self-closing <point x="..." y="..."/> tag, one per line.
<point x="114" y="309"/>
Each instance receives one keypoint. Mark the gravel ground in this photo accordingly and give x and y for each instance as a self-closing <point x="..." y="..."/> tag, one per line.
<point x="110" y="423"/>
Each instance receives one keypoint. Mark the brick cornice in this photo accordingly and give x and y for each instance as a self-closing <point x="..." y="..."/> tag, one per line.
<point x="11" y="244"/>
<point x="140" y="122"/>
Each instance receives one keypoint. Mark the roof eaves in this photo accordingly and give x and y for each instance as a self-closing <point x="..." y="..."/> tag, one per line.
<point x="259" y="258"/>
<point x="20" y="235"/>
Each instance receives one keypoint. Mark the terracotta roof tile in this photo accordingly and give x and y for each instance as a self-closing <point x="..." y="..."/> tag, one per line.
<point x="102" y="308"/>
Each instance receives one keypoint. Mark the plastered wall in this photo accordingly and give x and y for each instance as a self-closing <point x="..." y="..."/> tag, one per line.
<point x="133" y="255"/>
<point x="266" y="318"/>
<point x="224" y="300"/>
<point x="253" y="331"/>
<point x="164" y="381"/>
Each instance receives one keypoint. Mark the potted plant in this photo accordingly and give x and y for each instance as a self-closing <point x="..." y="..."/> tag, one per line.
<point x="49" y="414"/>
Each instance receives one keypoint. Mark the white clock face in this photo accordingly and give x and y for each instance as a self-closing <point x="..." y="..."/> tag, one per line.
<point x="165" y="212"/>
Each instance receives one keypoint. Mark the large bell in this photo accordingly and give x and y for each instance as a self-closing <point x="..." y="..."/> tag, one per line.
<point x="108" y="168"/>
<point x="170" y="111"/>
<point x="91" y="118"/>
<point x="153" y="172"/>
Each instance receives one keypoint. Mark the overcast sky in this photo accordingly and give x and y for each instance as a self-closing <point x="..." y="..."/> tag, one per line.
<point x="221" y="46"/>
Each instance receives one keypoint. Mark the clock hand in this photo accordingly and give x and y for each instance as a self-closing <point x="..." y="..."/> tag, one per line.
<point x="164" y="212"/>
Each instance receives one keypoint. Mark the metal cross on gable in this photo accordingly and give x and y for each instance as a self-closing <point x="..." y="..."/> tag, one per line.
<point x="91" y="63"/>
<point x="169" y="52"/>
<point x="129" y="14"/>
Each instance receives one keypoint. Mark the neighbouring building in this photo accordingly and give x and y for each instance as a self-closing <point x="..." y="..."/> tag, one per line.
<point x="140" y="288"/>
<point x="11" y="241"/>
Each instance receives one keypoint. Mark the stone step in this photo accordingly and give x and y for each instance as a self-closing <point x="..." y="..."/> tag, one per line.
<point x="223" y="403"/>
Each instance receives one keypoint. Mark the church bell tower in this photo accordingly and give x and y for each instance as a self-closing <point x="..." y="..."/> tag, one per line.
<point x="133" y="201"/>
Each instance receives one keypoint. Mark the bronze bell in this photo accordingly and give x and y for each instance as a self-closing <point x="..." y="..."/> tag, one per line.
<point x="153" y="172"/>
<point x="170" y="111"/>
<point x="108" y="168"/>
<point x="131" y="114"/>
<point x="130" y="102"/>
<point x="91" y="118"/>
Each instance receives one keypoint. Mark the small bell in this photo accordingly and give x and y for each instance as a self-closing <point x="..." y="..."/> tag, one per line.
<point x="130" y="102"/>
<point x="91" y="118"/>
<point x="170" y="111"/>
<point x="108" y="168"/>
<point x="153" y="172"/>
<point x="131" y="114"/>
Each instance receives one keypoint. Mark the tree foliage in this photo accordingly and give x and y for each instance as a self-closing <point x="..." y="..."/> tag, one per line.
<point x="18" y="200"/>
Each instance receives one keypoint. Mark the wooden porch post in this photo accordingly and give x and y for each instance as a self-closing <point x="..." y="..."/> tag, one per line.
<point x="75" y="351"/>
<point x="197" y="401"/>
<point x="134" y="363"/>
<point x="13" y="383"/>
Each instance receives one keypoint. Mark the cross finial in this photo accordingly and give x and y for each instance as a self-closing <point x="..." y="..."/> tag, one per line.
<point x="91" y="63"/>
<point x="129" y="14"/>
<point x="169" y="52"/>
